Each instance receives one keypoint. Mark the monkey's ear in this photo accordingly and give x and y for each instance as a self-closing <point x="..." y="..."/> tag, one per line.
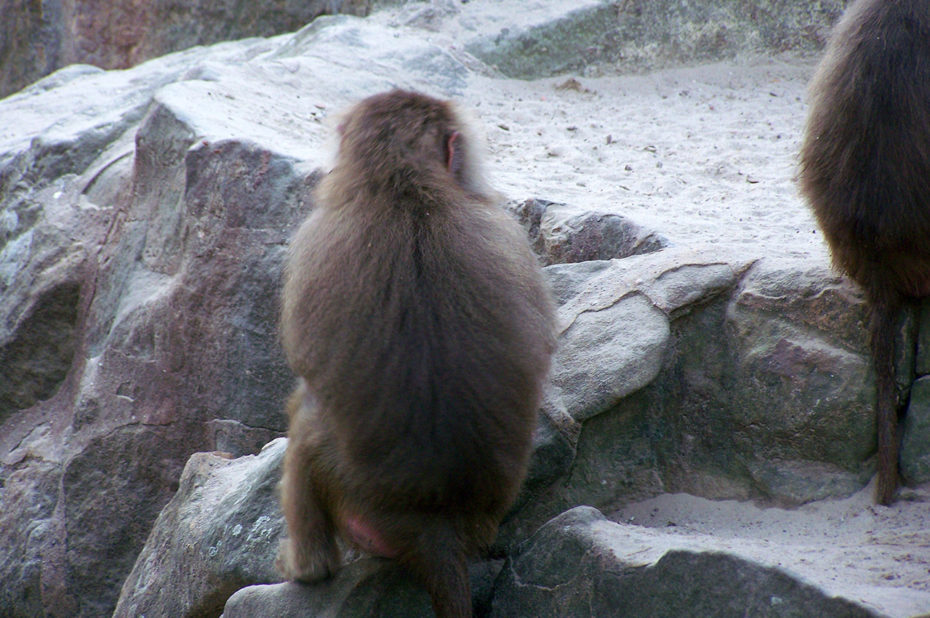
<point x="455" y="154"/>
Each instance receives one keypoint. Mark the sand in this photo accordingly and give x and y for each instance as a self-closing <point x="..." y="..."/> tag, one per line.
<point x="705" y="155"/>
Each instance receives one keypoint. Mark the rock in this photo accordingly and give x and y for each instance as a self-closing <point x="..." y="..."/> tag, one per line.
<point x="129" y="472"/>
<point x="26" y="532"/>
<point x="368" y="587"/>
<point x="794" y="330"/>
<point x="607" y="353"/>
<point x="131" y="270"/>
<point x="615" y="331"/>
<point x="43" y="38"/>
<point x="549" y="41"/>
<point x="922" y="365"/>
<point x="581" y="564"/>
<point x="561" y="234"/>
<point x="553" y="445"/>
<point x="763" y="390"/>
<point x="915" y="447"/>
<point x="568" y="280"/>
<point x="37" y="360"/>
<point x="219" y="533"/>
<point x="412" y="60"/>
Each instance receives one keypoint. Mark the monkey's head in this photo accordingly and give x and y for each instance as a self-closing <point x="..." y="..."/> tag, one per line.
<point x="402" y="141"/>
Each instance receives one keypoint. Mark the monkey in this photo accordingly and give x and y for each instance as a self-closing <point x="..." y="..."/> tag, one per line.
<point x="421" y="329"/>
<point x="865" y="172"/>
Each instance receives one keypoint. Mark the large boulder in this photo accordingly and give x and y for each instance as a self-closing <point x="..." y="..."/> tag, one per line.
<point x="219" y="533"/>
<point x="38" y="38"/>
<point x="648" y="34"/>
<point x="134" y="317"/>
<point x="582" y="564"/>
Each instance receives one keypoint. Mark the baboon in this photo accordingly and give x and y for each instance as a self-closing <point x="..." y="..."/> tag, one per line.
<point x="421" y="329"/>
<point x="865" y="170"/>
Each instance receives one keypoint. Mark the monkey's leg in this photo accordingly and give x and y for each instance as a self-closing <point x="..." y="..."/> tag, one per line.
<point x="310" y="552"/>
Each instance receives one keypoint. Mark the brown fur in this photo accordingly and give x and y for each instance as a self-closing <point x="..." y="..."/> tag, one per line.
<point x="865" y="169"/>
<point x="420" y="326"/>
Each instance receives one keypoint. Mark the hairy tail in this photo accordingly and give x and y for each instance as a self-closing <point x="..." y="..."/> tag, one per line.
<point x="883" y="321"/>
<point x="439" y="562"/>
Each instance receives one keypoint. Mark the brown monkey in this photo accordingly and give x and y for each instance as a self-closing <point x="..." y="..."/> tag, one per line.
<point x="865" y="169"/>
<point x="420" y="327"/>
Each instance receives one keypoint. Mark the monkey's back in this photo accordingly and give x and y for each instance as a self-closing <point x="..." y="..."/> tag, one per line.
<point x="865" y="162"/>
<point x="425" y="336"/>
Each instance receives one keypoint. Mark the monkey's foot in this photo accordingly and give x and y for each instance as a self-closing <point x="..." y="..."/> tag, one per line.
<point x="305" y="563"/>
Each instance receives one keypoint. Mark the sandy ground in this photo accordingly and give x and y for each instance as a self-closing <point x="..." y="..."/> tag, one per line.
<point x="704" y="155"/>
<point x="708" y="156"/>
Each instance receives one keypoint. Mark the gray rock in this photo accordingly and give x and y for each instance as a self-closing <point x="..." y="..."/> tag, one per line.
<point x="915" y="447"/>
<point x="110" y="493"/>
<point x="641" y="34"/>
<point x="608" y="352"/>
<point x="801" y="344"/>
<point x="553" y="445"/>
<point x="922" y="365"/>
<point x="122" y="34"/>
<point x="374" y="52"/>
<point x="615" y="330"/>
<point x="763" y="390"/>
<point x="568" y="280"/>
<point x="139" y="304"/>
<point x="26" y="534"/>
<point x="36" y="360"/>
<point x="562" y="234"/>
<point x="577" y="565"/>
<point x="219" y="533"/>
<point x="368" y="587"/>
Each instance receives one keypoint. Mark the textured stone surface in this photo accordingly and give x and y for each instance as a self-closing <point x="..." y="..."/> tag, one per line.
<point x="38" y="37"/>
<point x="357" y="591"/>
<point x="915" y="448"/>
<point x="647" y="34"/>
<point x="764" y="392"/>
<point x="578" y="565"/>
<point x="561" y="234"/>
<point x="923" y="341"/>
<point x="139" y="270"/>
<point x="219" y="533"/>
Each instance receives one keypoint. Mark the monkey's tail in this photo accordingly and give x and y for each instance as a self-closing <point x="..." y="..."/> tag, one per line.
<point x="439" y="562"/>
<point x="882" y="325"/>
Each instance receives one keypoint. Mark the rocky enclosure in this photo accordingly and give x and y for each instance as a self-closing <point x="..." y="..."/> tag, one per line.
<point x="706" y="346"/>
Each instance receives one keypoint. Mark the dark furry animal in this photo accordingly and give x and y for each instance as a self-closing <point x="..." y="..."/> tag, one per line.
<point x="419" y="323"/>
<point x="865" y="169"/>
